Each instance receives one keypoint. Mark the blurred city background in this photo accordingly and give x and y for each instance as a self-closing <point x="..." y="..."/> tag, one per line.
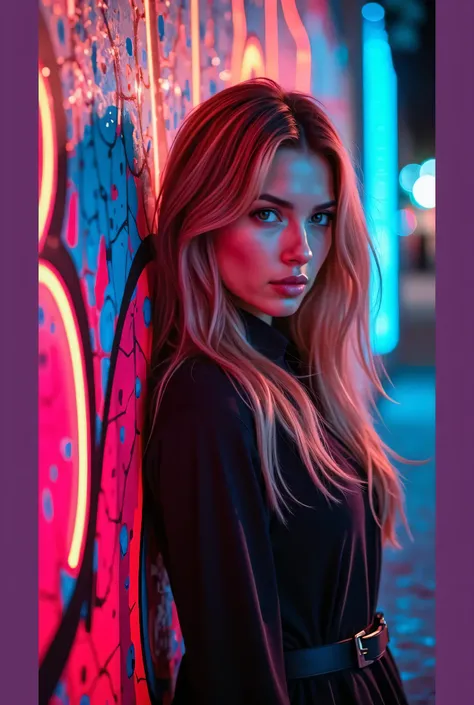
<point x="116" y="78"/>
<point x="408" y="583"/>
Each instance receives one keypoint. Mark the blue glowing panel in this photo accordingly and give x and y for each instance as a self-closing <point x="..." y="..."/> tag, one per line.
<point x="381" y="183"/>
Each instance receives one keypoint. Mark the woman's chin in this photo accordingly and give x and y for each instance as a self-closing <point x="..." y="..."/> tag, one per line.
<point x="270" y="308"/>
<point x="285" y="307"/>
<point x="280" y="308"/>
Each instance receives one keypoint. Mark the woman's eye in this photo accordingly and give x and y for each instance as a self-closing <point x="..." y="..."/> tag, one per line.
<point x="323" y="219"/>
<point x="264" y="215"/>
<point x="268" y="215"/>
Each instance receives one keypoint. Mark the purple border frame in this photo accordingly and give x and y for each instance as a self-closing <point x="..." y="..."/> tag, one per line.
<point x="454" y="352"/>
<point x="18" y="355"/>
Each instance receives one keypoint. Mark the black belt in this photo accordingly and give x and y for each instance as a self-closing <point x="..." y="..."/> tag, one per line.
<point x="358" y="652"/>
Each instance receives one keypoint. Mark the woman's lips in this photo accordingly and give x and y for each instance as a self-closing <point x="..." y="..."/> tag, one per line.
<point x="289" y="290"/>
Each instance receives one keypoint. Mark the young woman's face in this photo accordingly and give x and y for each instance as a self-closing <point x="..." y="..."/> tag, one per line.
<point x="287" y="232"/>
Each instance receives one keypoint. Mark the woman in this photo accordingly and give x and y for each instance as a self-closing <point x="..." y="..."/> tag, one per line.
<point x="268" y="487"/>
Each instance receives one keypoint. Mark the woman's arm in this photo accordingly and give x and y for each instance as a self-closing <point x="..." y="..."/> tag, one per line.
<point x="220" y="559"/>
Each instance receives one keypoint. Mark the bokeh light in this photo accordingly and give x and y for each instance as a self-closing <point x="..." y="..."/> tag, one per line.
<point x="373" y="12"/>
<point x="428" y="168"/>
<point x="408" y="175"/>
<point x="407" y="222"/>
<point x="424" y="191"/>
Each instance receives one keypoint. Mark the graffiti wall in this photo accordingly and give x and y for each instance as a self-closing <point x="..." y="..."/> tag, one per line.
<point x="115" y="80"/>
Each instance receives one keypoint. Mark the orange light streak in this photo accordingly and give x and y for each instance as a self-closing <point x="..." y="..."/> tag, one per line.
<point x="153" y="71"/>
<point x="49" y="158"/>
<point x="253" y="62"/>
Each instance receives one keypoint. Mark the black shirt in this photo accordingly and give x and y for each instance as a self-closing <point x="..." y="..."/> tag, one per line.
<point x="246" y="587"/>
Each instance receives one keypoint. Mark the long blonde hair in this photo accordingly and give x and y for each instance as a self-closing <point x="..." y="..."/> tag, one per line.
<point x="215" y="169"/>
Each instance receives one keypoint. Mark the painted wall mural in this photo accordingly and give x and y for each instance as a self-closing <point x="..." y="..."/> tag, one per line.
<point x="115" y="80"/>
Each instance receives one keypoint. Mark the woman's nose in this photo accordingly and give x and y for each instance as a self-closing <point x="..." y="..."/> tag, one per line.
<point x="298" y="249"/>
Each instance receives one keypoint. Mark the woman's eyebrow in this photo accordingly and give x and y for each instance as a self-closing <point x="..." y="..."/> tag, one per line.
<point x="287" y="204"/>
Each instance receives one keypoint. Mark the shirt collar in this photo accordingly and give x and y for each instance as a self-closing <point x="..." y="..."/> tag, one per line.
<point x="266" y="339"/>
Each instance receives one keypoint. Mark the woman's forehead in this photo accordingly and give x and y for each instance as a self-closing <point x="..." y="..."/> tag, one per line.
<point x="298" y="173"/>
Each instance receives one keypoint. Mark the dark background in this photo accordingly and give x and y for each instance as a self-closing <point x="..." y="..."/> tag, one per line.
<point x="411" y="29"/>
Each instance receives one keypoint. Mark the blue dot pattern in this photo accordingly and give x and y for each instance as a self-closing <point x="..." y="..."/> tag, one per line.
<point x="131" y="661"/>
<point x="147" y="311"/>
<point x="48" y="508"/>
<point x="123" y="538"/>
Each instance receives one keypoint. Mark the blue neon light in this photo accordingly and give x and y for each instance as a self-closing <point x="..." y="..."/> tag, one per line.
<point x="373" y="12"/>
<point x="381" y="183"/>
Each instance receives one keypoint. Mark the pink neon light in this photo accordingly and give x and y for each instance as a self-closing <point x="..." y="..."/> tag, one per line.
<point x="240" y="35"/>
<point x="271" y="38"/>
<point x="303" y="46"/>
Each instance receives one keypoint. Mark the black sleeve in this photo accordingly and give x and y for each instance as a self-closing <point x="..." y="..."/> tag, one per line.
<point x="218" y="551"/>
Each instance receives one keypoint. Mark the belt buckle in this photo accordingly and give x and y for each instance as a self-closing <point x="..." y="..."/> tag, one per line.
<point x="361" y="651"/>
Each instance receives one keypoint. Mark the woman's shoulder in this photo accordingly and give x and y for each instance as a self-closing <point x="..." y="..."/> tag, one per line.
<point x="201" y="386"/>
<point x="196" y="374"/>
